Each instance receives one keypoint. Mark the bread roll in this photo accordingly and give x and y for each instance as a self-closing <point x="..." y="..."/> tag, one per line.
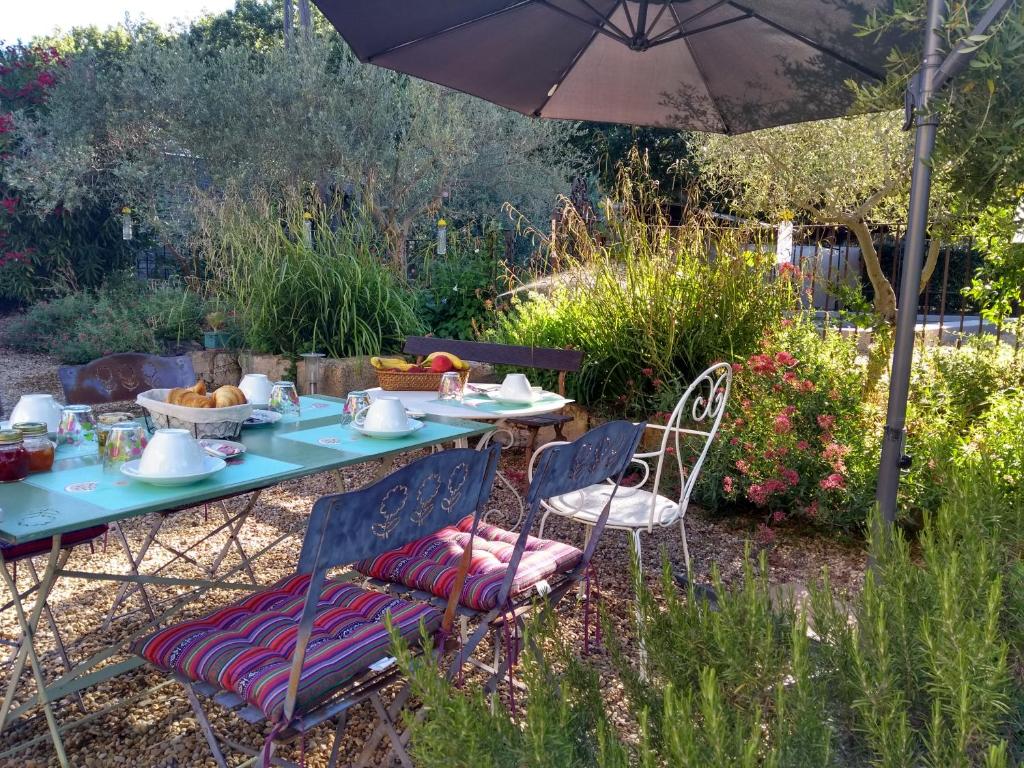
<point x="193" y="400"/>
<point x="175" y="395"/>
<point x="227" y="396"/>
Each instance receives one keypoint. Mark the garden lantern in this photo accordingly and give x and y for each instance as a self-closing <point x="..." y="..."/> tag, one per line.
<point x="311" y="362"/>
<point x="442" y="237"/>
<point x="126" y="223"/>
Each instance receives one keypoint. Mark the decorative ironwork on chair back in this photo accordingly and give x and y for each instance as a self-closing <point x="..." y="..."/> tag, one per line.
<point x="123" y="376"/>
<point x="414" y="501"/>
<point x="601" y="454"/>
<point x="698" y="414"/>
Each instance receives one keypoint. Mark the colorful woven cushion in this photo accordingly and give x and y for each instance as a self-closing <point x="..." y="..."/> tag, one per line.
<point x="247" y="646"/>
<point x="12" y="552"/>
<point x="431" y="563"/>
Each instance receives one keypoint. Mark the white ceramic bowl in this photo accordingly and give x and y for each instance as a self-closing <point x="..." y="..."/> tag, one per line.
<point x="256" y="388"/>
<point x="38" y="408"/>
<point x="172" y="452"/>
<point x="384" y="414"/>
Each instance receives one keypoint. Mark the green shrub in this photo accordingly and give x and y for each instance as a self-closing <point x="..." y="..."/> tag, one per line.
<point x="649" y="304"/>
<point x="122" y="316"/>
<point x="915" y="670"/>
<point x="334" y="293"/>
<point x="999" y="436"/>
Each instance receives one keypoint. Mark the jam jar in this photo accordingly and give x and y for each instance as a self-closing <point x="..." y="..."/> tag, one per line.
<point x="37" y="445"/>
<point x="13" y="456"/>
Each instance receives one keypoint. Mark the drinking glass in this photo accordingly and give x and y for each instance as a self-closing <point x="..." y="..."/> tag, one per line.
<point x="284" y="399"/>
<point x="450" y="387"/>
<point x="354" y="402"/>
<point x="104" y="422"/>
<point x="125" y="442"/>
<point x="77" y="426"/>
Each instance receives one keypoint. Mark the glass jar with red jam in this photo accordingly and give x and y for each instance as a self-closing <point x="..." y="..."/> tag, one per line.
<point x="38" y="445"/>
<point x="13" y="456"/>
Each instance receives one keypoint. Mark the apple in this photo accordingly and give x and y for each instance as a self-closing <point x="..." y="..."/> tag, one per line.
<point x="441" y="364"/>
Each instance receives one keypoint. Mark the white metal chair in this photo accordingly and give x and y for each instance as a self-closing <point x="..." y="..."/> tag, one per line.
<point x="692" y="426"/>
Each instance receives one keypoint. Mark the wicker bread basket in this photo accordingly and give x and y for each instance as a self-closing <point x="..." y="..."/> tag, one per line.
<point x="222" y="423"/>
<point x="405" y="381"/>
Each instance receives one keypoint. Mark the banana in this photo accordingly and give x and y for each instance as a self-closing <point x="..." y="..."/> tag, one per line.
<point x="456" y="361"/>
<point x="390" y="364"/>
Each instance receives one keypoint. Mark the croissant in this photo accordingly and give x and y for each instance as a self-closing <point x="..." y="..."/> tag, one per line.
<point x="227" y="396"/>
<point x="199" y="387"/>
<point x="193" y="400"/>
<point x="175" y="395"/>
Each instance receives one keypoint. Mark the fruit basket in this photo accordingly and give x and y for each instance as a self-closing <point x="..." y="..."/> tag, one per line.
<point x="397" y="375"/>
<point x="223" y="423"/>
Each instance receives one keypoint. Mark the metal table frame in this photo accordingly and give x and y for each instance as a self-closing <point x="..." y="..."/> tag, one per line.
<point x="31" y="513"/>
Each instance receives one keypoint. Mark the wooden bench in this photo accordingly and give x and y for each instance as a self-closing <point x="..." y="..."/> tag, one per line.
<point x="564" y="361"/>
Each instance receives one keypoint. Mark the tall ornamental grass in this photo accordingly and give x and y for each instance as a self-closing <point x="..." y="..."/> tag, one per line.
<point x="292" y="291"/>
<point x="649" y="304"/>
<point x="921" y="668"/>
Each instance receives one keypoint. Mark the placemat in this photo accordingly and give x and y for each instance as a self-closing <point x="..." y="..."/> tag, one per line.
<point x="76" y="451"/>
<point x="348" y="440"/>
<point x="114" y="491"/>
<point x="312" y="408"/>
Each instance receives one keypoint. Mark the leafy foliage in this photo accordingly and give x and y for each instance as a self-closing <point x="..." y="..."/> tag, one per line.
<point x="650" y="305"/>
<point x="334" y="292"/>
<point x="914" y="670"/>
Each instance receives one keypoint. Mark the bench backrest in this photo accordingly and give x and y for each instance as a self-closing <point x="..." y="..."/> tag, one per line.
<point x="562" y="360"/>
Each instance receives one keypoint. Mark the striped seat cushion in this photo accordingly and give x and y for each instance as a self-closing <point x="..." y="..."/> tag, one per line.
<point x="246" y="647"/>
<point x="11" y="552"/>
<point x="431" y="563"/>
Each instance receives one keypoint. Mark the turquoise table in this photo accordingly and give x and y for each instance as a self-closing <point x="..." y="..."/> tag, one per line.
<point x="78" y="494"/>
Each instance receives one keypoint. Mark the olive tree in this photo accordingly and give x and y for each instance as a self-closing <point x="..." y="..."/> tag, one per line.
<point x="169" y="115"/>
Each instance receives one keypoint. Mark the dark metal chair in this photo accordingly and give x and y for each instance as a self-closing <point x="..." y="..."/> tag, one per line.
<point x="509" y="569"/>
<point x="123" y="376"/>
<point x="304" y="651"/>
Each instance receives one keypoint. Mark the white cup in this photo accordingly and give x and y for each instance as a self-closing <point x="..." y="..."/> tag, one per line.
<point x="385" y="414"/>
<point x="256" y="388"/>
<point x="38" y="408"/>
<point x="172" y="452"/>
<point x="516" y="387"/>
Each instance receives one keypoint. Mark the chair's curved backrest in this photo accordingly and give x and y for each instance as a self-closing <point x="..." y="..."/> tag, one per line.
<point x="412" y="502"/>
<point x="123" y="376"/>
<point x="601" y="454"/>
<point x="690" y="430"/>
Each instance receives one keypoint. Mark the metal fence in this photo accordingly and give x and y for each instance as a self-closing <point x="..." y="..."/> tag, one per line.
<point x="830" y="257"/>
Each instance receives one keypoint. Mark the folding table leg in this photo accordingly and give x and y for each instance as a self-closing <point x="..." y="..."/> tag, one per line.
<point x="233" y="529"/>
<point x="394" y="709"/>
<point x="57" y="639"/>
<point x="133" y="567"/>
<point x="29" y="624"/>
<point x="389" y="726"/>
<point x="204" y="725"/>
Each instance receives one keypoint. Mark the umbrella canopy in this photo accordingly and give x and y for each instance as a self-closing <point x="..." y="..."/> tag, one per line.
<point x="704" y="65"/>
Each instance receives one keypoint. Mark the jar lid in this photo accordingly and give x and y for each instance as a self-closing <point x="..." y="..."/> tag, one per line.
<point x="30" y="428"/>
<point x="10" y="437"/>
<point x="113" y="418"/>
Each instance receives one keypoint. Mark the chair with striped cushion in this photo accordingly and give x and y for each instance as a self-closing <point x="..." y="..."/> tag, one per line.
<point x="302" y="652"/>
<point x="507" y="568"/>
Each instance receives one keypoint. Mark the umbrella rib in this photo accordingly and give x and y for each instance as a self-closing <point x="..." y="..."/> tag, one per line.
<point x="707" y="86"/>
<point x="679" y="23"/>
<point x="691" y="32"/>
<point x="812" y="43"/>
<point x="575" y="58"/>
<point x="598" y="28"/>
<point x="607" y="18"/>
<point x="455" y="27"/>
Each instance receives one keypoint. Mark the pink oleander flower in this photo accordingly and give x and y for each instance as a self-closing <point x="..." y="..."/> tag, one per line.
<point x="757" y="494"/>
<point x="761" y="364"/>
<point x="734" y="441"/>
<point x="743" y="466"/>
<point x="789" y="410"/>
<point x="648" y="372"/>
<point x="802" y="445"/>
<point x="782" y="424"/>
<point x="789" y="377"/>
<point x="727" y="484"/>
<point x="785" y="358"/>
<point x="10" y="204"/>
<point x="791" y="476"/>
<point x="833" y="482"/>
<point x="811" y="510"/>
<point x="778" y="516"/>
<point x="826" y="420"/>
<point x="806" y="385"/>
<point x="737" y="367"/>
<point x="745" y="403"/>
<point x="835" y="452"/>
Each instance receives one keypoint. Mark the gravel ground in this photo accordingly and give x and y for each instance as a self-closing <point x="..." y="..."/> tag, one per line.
<point x="159" y="729"/>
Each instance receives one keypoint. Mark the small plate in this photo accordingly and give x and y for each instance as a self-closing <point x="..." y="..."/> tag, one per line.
<point x="261" y="418"/>
<point x="222" y="449"/>
<point x="211" y="467"/>
<point x="497" y="397"/>
<point x="412" y="426"/>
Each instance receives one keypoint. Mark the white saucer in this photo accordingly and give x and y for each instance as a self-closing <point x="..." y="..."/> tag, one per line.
<point x="261" y="418"/>
<point x="222" y="449"/>
<point x="211" y="466"/>
<point x="497" y="397"/>
<point x="412" y="426"/>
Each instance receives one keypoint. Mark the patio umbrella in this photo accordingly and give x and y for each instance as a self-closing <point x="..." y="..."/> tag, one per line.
<point x="705" y="65"/>
<point x="723" y="66"/>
